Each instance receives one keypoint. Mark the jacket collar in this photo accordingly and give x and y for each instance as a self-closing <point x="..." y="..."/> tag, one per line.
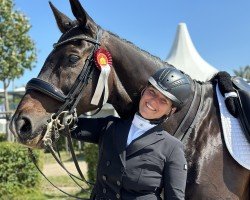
<point x="120" y="138"/>
<point x="151" y="136"/>
<point x="141" y="123"/>
<point x="121" y="131"/>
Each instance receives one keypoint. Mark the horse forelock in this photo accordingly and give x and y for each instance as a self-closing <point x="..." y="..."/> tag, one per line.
<point x="74" y="31"/>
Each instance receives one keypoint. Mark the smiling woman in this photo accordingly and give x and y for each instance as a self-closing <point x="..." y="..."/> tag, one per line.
<point x="153" y="104"/>
<point x="153" y="158"/>
<point x="168" y="92"/>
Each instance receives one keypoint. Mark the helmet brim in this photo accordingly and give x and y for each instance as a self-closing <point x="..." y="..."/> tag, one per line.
<point x="175" y="101"/>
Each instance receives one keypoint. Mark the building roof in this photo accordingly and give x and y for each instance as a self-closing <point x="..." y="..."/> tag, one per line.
<point x="16" y="92"/>
<point x="185" y="57"/>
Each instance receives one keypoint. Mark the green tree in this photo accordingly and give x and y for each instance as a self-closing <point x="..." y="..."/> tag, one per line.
<point x="243" y="72"/>
<point x="17" y="50"/>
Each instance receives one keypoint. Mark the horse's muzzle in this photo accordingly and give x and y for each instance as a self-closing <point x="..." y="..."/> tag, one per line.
<point x="21" y="127"/>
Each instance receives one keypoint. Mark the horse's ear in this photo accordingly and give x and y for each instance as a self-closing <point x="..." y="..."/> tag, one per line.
<point x="79" y="12"/>
<point x="63" y="22"/>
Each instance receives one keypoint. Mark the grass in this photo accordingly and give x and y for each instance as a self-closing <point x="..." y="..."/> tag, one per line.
<point x="65" y="156"/>
<point x="61" y="181"/>
<point x="64" y="182"/>
<point x="52" y="195"/>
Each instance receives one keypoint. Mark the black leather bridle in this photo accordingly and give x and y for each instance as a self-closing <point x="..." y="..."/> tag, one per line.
<point x="69" y="103"/>
<point x="70" y="100"/>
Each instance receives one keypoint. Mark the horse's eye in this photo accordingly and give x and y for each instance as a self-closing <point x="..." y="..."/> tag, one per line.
<point x="73" y="58"/>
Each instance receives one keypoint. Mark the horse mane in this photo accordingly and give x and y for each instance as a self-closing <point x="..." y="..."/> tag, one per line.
<point x="152" y="57"/>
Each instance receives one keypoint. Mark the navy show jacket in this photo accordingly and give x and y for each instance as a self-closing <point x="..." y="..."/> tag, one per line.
<point x="152" y="163"/>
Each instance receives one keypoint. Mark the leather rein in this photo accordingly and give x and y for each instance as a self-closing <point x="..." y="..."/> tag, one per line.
<point x="66" y="116"/>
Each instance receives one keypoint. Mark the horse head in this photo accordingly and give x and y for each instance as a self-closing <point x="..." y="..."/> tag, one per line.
<point x="67" y="69"/>
<point x="69" y="76"/>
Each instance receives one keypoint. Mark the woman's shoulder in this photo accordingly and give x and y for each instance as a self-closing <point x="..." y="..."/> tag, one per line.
<point x="172" y="145"/>
<point x="170" y="139"/>
<point x="111" y="119"/>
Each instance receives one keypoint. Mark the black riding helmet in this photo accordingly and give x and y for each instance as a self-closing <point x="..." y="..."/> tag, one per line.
<point x="173" y="84"/>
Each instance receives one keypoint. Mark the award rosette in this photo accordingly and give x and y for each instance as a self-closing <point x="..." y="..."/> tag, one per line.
<point x="102" y="58"/>
<point x="103" y="61"/>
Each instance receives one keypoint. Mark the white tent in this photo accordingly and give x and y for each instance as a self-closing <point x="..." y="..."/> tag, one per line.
<point x="185" y="57"/>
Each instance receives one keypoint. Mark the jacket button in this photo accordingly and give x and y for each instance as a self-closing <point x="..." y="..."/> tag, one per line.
<point x="118" y="183"/>
<point x="104" y="190"/>
<point x="108" y="163"/>
<point x="104" y="178"/>
<point x="117" y="196"/>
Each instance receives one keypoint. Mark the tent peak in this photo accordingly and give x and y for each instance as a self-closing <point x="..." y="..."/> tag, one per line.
<point x="184" y="56"/>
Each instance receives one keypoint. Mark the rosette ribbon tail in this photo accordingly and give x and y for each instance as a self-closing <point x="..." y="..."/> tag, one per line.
<point x="102" y="86"/>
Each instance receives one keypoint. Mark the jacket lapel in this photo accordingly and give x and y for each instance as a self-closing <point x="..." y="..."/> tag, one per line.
<point x="149" y="137"/>
<point x="121" y="135"/>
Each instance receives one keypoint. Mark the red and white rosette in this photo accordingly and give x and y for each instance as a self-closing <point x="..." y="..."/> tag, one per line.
<point x="103" y="61"/>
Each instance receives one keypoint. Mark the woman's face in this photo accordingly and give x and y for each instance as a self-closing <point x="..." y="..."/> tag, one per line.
<point x="154" y="104"/>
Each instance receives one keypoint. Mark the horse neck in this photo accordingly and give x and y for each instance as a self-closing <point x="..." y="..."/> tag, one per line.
<point x="132" y="68"/>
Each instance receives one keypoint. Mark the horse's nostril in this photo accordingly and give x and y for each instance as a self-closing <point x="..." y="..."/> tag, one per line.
<point x="23" y="126"/>
<point x="26" y="127"/>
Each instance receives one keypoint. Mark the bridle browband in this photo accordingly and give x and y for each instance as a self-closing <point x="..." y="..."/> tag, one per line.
<point x="70" y="100"/>
<point x="66" y="115"/>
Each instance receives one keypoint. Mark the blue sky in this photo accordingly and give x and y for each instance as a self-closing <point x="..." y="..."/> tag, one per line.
<point x="220" y="30"/>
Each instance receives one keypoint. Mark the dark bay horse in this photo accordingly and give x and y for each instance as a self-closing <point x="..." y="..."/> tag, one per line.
<point x="212" y="172"/>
